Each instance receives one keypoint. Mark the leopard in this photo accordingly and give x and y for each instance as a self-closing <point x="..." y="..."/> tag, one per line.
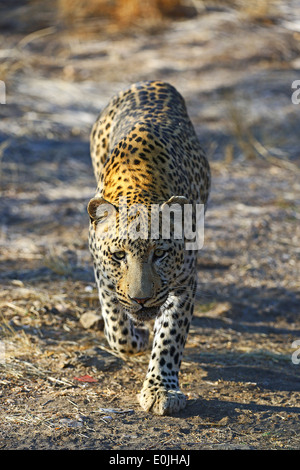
<point x="145" y="153"/>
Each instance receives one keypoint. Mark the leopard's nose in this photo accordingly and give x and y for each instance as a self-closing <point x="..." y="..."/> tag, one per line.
<point x="140" y="300"/>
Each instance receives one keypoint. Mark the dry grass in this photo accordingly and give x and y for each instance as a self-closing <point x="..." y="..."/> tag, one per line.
<point x="258" y="9"/>
<point x="123" y="12"/>
<point x="58" y="264"/>
<point x="18" y="349"/>
<point x="244" y="137"/>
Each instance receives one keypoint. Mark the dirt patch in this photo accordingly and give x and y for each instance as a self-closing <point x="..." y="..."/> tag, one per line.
<point x="61" y="387"/>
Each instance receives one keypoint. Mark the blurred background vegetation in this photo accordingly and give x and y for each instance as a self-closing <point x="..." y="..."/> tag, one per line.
<point x="242" y="56"/>
<point x="90" y="15"/>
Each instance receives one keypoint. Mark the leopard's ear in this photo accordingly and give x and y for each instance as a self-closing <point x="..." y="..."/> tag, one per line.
<point x="99" y="209"/>
<point x="175" y="200"/>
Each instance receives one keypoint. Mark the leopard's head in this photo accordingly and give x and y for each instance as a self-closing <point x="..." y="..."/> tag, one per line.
<point x="139" y="259"/>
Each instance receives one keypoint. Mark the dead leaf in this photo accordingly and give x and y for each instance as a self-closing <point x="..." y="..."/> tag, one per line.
<point x="85" y="378"/>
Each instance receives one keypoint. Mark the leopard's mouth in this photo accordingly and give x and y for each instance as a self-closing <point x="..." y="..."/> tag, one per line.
<point x="140" y="313"/>
<point x="144" y="313"/>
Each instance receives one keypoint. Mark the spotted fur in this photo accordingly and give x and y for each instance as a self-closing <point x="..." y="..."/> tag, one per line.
<point x="144" y="148"/>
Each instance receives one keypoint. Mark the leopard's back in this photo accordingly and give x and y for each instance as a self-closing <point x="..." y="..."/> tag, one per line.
<point x="146" y="130"/>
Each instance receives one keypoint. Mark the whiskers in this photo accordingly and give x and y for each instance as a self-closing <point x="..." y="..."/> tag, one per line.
<point x="199" y="294"/>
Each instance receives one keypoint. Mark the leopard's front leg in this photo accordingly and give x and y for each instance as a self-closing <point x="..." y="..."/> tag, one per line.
<point x="161" y="393"/>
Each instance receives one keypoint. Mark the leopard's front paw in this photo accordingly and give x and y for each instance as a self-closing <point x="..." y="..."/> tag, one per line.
<point x="161" y="401"/>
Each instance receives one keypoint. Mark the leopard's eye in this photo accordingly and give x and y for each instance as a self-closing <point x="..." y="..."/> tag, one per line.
<point x="119" y="255"/>
<point x="158" y="253"/>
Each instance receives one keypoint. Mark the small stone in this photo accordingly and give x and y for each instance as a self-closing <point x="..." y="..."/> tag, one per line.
<point x="91" y="320"/>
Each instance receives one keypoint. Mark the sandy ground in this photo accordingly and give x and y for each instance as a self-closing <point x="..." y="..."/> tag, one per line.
<point x="61" y="387"/>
